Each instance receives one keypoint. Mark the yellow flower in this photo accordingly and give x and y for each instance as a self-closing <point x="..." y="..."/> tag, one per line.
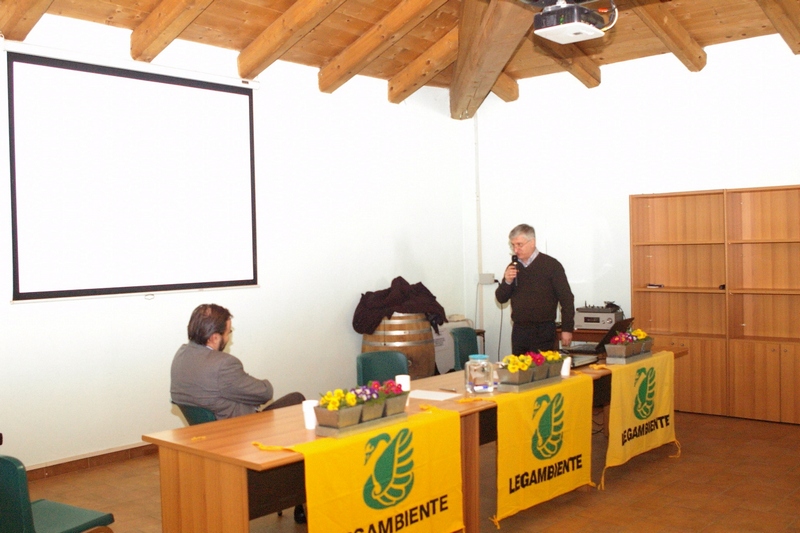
<point x="525" y="362"/>
<point x="333" y="405"/>
<point x="639" y="334"/>
<point x="552" y="356"/>
<point x="350" y="399"/>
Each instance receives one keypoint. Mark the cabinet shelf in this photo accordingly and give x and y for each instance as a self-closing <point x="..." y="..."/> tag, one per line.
<point x="765" y="241"/>
<point x="676" y="243"/>
<point x="691" y="290"/>
<point x="754" y="338"/>
<point x="777" y="292"/>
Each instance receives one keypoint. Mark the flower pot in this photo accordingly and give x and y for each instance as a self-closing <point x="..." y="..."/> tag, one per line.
<point x="540" y="372"/>
<point x="346" y="416"/>
<point x="396" y="404"/>
<point x="371" y="410"/>
<point x="515" y="378"/>
<point x="637" y="347"/>
<point x="554" y="369"/>
<point x="619" y="350"/>
<point x="647" y="345"/>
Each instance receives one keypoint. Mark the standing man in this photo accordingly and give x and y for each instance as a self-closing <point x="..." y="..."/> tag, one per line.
<point x="536" y="284"/>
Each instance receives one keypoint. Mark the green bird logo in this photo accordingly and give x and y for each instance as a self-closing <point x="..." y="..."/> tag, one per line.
<point x="645" y="383"/>
<point x="548" y="426"/>
<point x="392" y="474"/>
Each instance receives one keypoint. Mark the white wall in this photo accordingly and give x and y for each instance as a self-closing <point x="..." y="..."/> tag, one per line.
<point x="353" y="191"/>
<point x="564" y="158"/>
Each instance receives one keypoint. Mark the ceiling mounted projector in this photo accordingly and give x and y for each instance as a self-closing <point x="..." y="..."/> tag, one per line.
<point x="565" y="22"/>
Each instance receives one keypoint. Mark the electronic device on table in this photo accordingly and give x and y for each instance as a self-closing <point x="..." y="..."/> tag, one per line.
<point x="598" y="317"/>
<point x="590" y="348"/>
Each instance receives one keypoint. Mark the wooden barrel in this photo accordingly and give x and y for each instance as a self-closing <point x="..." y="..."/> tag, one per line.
<point x="407" y="333"/>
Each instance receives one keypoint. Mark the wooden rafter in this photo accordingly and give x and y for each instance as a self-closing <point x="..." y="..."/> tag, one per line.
<point x="163" y="25"/>
<point x="437" y="58"/>
<point x="572" y="59"/>
<point x="302" y="17"/>
<point x="424" y="68"/>
<point x="502" y="27"/>
<point x="666" y="27"/>
<point x="398" y="22"/>
<point x="18" y="17"/>
<point x="785" y="16"/>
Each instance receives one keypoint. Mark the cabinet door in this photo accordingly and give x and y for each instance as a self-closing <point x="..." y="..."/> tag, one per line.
<point x="701" y="383"/>
<point x="755" y="378"/>
<point x="790" y="383"/>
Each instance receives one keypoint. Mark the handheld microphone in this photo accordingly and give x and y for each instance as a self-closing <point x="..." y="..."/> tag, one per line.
<point x="514" y="262"/>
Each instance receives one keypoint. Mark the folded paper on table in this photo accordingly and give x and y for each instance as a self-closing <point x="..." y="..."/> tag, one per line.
<point x="394" y="478"/>
<point x="433" y="395"/>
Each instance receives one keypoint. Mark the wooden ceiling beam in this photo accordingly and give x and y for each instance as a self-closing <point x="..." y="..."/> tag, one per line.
<point x="297" y="22"/>
<point x="506" y="88"/>
<point x="666" y="27"/>
<point x="572" y="59"/>
<point x="503" y="26"/>
<point x="424" y="68"/>
<point x="785" y="16"/>
<point x="18" y="17"/>
<point x="163" y="25"/>
<point x="398" y="22"/>
<point x="434" y="60"/>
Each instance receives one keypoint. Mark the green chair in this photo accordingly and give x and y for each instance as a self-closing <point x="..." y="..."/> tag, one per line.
<point x="465" y="343"/>
<point x="18" y="514"/>
<point x="196" y="415"/>
<point x="380" y="366"/>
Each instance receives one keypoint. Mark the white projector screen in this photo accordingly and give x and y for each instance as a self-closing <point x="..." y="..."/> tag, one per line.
<point x="124" y="181"/>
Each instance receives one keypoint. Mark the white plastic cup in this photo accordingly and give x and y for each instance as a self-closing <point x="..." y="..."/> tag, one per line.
<point x="309" y="416"/>
<point x="404" y="380"/>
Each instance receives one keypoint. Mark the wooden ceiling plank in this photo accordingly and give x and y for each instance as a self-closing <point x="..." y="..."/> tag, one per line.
<point x="572" y="59"/>
<point x="398" y="22"/>
<point x="506" y="88"/>
<point x="297" y="22"/>
<point x="503" y="26"/>
<point x="163" y="25"/>
<point x="424" y="68"/>
<point x="785" y="16"/>
<point x="18" y="17"/>
<point x="669" y="30"/>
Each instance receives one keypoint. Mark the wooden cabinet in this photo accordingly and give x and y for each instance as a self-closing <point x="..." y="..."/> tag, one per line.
<point x="729" y="264"/>
<point x="701" y="378"/>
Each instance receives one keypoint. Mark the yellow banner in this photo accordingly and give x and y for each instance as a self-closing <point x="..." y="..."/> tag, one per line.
<point x="642" y="411"/>
<point x="402" y="477"/>
<point x="544" y="443"/>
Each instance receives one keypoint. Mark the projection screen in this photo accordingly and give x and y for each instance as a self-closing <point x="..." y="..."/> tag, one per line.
<point x="125" y="182"/>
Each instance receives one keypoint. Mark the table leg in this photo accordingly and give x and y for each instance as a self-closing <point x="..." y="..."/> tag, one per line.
<point x="470" y="471"/>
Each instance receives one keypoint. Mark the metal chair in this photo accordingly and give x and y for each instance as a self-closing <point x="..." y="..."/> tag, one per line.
<point x="196" y="415"/>
<point x="380" y="366"/>
<point x="18" y="514"/>
<point x="465" y="343"/>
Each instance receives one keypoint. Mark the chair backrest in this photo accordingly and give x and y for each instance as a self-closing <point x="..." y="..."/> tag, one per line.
<point x="465" y="343"/>
<point x="380" y="366"/>
<point x="15" y="501"/>
<point x="196" y="415"/>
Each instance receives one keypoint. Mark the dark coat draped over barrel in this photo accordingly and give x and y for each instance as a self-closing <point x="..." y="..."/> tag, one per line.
<point x="401" y="297"/>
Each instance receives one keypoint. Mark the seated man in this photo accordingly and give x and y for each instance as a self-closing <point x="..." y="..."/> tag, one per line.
<point x="204" y="375"/>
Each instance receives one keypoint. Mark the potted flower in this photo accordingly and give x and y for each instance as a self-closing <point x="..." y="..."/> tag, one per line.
<point x="554" y="362"/>
<point x="394" y="396"/>
<point x="516" y="369"/>
<point x="644" y="339"/>
<point x="372" y="403"/>
<point x="338" y="409"/>
<point x="622" y="344"/>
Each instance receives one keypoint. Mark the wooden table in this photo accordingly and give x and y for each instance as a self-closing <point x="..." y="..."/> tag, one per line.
<point x="214" y="479"/>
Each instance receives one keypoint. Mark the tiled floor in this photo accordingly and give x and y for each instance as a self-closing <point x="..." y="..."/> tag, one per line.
<point x="732" y="475"/>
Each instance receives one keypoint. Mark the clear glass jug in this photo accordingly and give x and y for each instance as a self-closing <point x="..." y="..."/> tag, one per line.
<point x="479" y="374"/>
